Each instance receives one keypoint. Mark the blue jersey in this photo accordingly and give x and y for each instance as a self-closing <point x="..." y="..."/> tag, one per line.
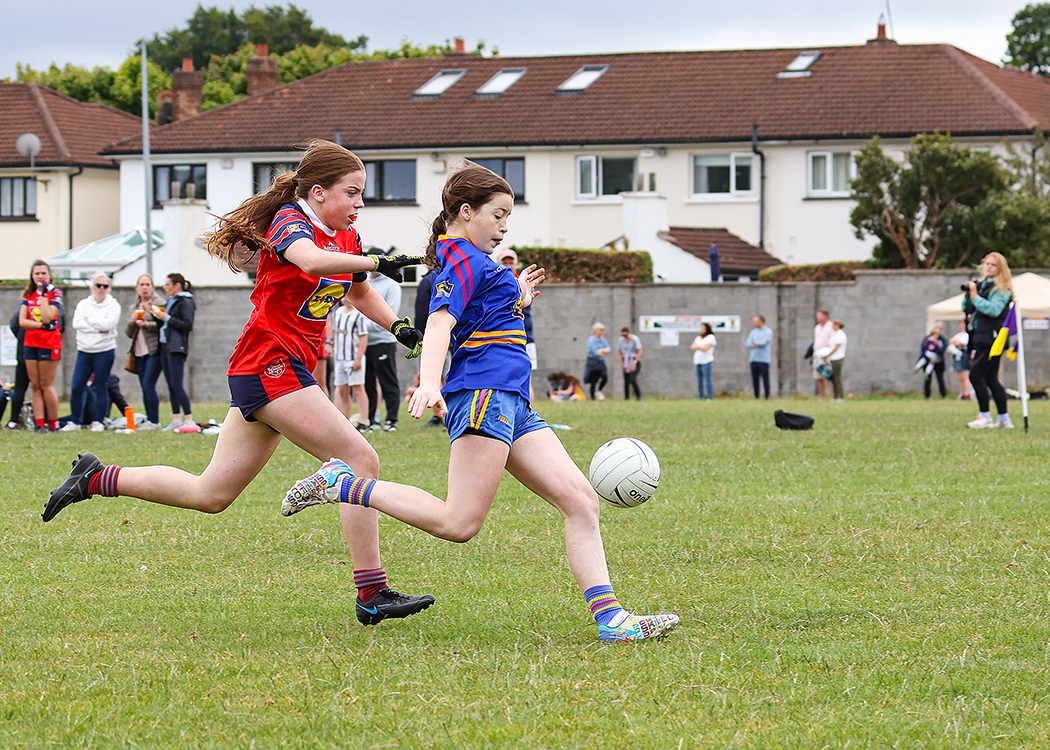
<point x="488" y="340"/>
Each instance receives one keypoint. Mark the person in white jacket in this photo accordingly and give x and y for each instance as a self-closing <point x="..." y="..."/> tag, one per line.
<point x="95" y="320"/>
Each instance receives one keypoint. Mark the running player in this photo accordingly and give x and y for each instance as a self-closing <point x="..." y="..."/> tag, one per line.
<point x="309" y="259"/>
<point x="477" y="305"/>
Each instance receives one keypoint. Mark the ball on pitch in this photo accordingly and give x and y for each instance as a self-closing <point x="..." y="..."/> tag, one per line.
<point x="625" y="472"/>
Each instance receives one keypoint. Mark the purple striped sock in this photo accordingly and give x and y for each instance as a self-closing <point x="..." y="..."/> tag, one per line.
<point x="356" y="490"/>
<point x="603" y="603"/>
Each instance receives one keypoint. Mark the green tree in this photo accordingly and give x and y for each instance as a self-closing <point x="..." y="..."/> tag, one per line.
<point x="120" y="88"/>
<point x="214" y="32"/>
<point x="1028" y="45"/>
<point x="911" y="207"/>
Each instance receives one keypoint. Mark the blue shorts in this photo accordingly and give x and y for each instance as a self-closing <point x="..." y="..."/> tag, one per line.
<point x="502" y="415"/>
<point x="282" y="376"/>
<point x="36" y="353"/>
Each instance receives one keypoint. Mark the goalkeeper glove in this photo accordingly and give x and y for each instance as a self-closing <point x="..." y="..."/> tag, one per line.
<point x="391" y="265"/>
<point x="408" y="336"/>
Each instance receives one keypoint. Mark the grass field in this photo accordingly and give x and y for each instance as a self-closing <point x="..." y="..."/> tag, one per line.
<point x="880" y="581"/>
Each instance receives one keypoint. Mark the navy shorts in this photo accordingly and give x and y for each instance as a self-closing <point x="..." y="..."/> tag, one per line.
<point x="35" y="353"/>
<point x="282" y="376"/>
<point x="502" y="415"/>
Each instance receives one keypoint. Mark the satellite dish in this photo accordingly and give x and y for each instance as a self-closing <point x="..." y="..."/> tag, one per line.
<point x="28" y="144"/>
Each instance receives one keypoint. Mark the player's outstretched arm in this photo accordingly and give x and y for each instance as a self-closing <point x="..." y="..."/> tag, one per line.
<point x="530" y="278"/>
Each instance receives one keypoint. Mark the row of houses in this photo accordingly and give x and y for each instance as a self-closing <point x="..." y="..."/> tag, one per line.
<point x="670" y="152"/>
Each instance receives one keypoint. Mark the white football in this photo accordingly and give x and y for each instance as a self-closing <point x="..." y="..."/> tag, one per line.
<point x="625" y="472"/>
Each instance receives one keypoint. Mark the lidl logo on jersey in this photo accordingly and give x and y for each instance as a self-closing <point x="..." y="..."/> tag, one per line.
<point x="444" y="289"/>
<point x="324" y="298"/>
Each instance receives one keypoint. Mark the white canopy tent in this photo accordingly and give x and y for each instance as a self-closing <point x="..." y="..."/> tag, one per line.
<point x="1032" y="297"/>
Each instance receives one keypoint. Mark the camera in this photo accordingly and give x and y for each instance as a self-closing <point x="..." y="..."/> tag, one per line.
<point x="966" y="287"/>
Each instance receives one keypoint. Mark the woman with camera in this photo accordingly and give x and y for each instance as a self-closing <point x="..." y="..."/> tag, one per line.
<point x="987" y="301"/>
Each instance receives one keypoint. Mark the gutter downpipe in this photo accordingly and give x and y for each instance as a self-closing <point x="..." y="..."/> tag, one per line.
<point x="761" y="187"/>
<point x="80" y="170"/>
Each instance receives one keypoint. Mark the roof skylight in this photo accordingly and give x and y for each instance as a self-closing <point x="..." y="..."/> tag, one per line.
<point x="800" y="66"/>
<point x="583" y="77"/>
<point x="440" y="83"/>
<point x="501" y="81"/>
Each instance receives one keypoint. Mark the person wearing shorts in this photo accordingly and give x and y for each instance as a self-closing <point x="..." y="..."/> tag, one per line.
<point x="40" y="317"/>
<point x="309" y="259"/>
<point x="476" y="305"/>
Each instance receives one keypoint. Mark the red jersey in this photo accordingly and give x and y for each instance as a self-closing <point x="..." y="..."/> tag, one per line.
<point x="48" y="337"/>
<point x="291" y="306"/>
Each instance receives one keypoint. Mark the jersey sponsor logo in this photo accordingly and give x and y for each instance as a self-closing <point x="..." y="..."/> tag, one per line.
<point x="323" y="299"/>
<point x="504" y="420"/>
<point x="444" y="289"/>
<point x="275" y="369"/>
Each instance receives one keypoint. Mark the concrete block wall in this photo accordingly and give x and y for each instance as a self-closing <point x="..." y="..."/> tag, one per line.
<point x="884" y="313"/>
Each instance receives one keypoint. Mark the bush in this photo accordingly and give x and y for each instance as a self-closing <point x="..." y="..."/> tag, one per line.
<point x="837" y="271"/>
<point x="573" y="266"/>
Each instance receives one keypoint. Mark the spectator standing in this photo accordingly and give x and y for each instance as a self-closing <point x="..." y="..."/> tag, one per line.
<point x="595" y="373"/>
<point x="934" y="347"/>
<point x="348" y="357"/>
<point x="821" y="339"/>
<point x="836" y="357"/>
<point x="95" y="319"/>
<point x="961" y="342"/>
<point x="381" y="358"/>
<point x="629" y="350"/>
<point x="758" y="344"/>
<point x="176" y="323"/>
<point x="143" y="328"/>
<point x="18" y="392"/>
<point x="40" y="316"/>
<point x="987" y="302"/>
<point x="703" y="347"/>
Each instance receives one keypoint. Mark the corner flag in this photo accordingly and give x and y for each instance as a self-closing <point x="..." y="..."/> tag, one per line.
<point x="1009" y="329"/>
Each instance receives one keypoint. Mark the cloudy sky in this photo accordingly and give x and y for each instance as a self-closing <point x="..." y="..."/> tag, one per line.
<point x="103" y="32"/>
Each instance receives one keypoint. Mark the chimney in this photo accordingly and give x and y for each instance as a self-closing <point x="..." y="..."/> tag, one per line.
<point x="165" y="111"/>
<point x="187" y="87"/>
<point x="460" y="47"/>
<point x="881" y="36"/>
<point x="262" y="71"/>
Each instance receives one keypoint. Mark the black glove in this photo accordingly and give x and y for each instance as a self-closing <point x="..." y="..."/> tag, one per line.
<point x="408" y="336"/>
<point x="391" y="265"/>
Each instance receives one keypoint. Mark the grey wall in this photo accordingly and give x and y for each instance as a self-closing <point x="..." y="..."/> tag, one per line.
<point x="884" y="313"/>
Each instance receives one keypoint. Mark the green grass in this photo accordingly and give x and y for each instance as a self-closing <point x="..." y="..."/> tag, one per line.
<point x="880" y="581"/>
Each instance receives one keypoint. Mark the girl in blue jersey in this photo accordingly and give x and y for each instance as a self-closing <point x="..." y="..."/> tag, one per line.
<point x="476" y="305"/>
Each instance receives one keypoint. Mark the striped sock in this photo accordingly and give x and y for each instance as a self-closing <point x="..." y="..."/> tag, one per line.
<point x="356" y="490"/>
<point x="603" y="603"/>
<point x="368" y="582"/>
<point x="104" y="482"/>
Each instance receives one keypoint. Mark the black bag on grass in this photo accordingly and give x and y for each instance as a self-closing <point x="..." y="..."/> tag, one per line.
<point x="785" y="420"/>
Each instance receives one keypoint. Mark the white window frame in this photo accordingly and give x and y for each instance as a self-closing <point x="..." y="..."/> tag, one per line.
<point x="829" y="173"/>
<point x="591" y="166"/>
<point x="733" y="194"/>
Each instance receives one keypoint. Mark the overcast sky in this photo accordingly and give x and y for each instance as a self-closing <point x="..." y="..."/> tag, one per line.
<point x="102" y="32"/>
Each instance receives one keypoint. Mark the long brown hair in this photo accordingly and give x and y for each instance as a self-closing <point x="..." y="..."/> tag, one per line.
<point x="242" y="232"/>
<point x="31" y="286"/>
<point x="473" y="185"/>
<point x="1003" y="278"/>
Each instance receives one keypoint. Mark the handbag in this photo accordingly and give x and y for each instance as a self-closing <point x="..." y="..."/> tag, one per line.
<point x="132" y="364"/>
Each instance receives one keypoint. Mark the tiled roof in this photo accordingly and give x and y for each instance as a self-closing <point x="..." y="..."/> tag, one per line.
<point x="71" y="133"/>
<point x="644" y="98"/>
<point x="734" y="254"/>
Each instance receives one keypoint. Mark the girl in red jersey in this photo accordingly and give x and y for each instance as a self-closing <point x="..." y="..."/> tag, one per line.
<point x="309" y="259"/>
<point x="39" y="316"/>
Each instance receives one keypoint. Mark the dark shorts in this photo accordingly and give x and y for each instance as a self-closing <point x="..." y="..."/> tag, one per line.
<point x="281" y="377"/>
<point x="35" y="353"/>
<point x="501" y="415"/>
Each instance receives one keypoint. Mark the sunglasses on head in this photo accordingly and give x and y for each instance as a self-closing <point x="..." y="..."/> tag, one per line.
<point x="102" y="286"/>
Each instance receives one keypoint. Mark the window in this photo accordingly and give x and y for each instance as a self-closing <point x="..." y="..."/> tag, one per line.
<point x="179" y="181"/>
<point x="511" y="170"/>
<point x="800" y="66"/>
<point x="500" y="82"/>
<point x="440" y="83"/>
<point x="830" y="173"/>
<point x="391" y="182"/>
<point x="722" y="175"/>
<point x="263" y="175"/>
<point x="602" y="176"/>
<point x="583" y="78"/>
<point x="17" y="198"/>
